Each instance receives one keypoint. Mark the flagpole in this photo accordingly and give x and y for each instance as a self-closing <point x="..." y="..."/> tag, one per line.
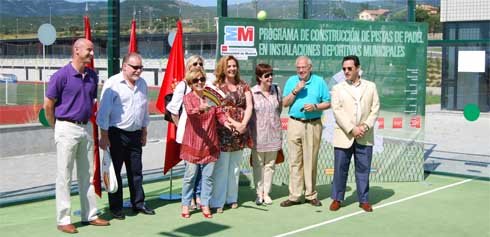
<point x="44" y="70"/>
<point x="174" y="72"/>
<point x="169" y="196"/>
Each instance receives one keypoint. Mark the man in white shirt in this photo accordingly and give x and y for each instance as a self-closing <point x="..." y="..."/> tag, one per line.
<point x="123" y="118"/>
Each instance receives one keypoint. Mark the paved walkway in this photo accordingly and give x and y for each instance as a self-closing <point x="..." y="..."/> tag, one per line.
<point x="455" y="145"/>
<point x="32" y="176"/>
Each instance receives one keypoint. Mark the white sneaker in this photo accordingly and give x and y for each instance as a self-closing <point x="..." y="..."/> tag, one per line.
<point x="267" y="200"/>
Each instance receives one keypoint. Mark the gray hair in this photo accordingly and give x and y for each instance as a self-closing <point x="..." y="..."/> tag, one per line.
<point x="308" y="60"/>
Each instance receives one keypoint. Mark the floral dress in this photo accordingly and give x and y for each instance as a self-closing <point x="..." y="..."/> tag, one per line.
<point x="233" y="104"/>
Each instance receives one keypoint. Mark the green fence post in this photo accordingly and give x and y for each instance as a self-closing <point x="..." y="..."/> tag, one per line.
<point x="113" y="37"/>
<point x="411" y="10"/>
<point x="222" y="8"/>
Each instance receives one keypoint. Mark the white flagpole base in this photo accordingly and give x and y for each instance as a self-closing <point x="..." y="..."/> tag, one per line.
<point x="170" y="196"/>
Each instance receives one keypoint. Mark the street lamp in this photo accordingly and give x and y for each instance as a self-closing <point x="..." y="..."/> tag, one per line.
<point x="17" y="28"/>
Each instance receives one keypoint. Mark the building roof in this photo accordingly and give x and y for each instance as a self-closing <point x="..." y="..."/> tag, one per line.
<point x="375" y="13"/>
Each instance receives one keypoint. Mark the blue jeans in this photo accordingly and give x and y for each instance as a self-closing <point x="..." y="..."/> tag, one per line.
<point x="197" y="189"/>
<point x="189" y="182"/>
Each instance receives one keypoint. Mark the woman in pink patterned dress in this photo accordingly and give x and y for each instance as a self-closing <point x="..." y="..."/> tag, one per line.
<point x="265" y="127"/>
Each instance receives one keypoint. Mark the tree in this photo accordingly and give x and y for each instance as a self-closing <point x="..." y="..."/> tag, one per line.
<point x="339" y="13"/>
<point x="399" y="16"/>
<point x="433" y="20"/>
<point x="74" y="30"/>
<point x="421" y="15"/>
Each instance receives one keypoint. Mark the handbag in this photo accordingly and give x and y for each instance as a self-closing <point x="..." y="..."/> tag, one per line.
<point x="167" y="115"/>
<point x="108" y="173"/>
<point x="279" y="157"/>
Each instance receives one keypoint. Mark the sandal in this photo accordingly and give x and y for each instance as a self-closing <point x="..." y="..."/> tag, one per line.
<point x="206" y="212"/>
<point x="198" y="203"/>
<point x="185" y="212"/>
<point x="193" y="204"/>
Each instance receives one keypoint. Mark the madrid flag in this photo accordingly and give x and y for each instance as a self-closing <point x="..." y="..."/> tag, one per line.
<point x="174" y="73"/>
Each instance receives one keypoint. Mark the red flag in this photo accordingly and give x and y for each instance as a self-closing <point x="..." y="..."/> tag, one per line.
<point x="133" y="43"/>
<point x="174" y="73"/>
<point x="95" y="128"/>
<point x="88" y="36"/>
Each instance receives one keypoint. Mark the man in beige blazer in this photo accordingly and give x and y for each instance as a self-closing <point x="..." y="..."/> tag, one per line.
<point x="355" y="105"/>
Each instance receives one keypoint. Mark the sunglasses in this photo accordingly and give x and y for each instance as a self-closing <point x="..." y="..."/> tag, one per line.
<point x="196" y="63"/>
<point x="135" y="67"/>
<point x="347" y="69"/>
<point x="267" y="75"/>
<point x="196" y="80"/>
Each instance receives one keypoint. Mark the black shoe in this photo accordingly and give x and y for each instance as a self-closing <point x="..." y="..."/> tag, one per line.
<point x="314" y="202"/>
<point x="118" y="215"/>
<point x="259" y="201"/>
<point x="145" y="210"/>
<point x="289" y="203"/>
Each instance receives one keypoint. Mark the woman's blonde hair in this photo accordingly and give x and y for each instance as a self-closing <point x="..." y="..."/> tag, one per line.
<point x="221" y="67"/>
<point x="192" y="59"/>
<point x="194" y="73"/>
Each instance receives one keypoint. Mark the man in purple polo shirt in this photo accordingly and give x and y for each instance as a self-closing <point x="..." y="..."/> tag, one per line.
<point x="68" y="105"/>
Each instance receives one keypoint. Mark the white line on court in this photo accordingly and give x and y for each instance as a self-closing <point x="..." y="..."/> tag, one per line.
<point x="374" y="207"/>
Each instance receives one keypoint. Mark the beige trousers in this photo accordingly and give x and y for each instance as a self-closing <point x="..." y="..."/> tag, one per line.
<point x="74" y="144"/>
<point x="263" y="170"/>
<point x="303" y="146"/>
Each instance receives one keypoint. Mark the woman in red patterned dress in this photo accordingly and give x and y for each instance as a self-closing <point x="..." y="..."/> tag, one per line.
<point x="200" y="146"/>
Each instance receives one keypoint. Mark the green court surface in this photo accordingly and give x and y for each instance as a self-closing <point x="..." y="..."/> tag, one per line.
<point x="438" y="206"/>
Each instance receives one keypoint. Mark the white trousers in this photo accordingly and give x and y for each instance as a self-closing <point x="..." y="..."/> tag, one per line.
<point x="74" y="144"/>
<point x="225" y="175"/>
<point x="263" y="169"/>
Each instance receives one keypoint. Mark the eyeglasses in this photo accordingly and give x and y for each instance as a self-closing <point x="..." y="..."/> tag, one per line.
<point x="302" y="67"/>
<point x="196" y="80"/>
<point x="135" y="67"/>
<point x="196" y="63"/>
<point x="267" y="75"/>
<point x="347" y="69"/>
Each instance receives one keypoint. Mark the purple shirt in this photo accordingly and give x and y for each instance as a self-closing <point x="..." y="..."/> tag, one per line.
<point x="74" y="93"/>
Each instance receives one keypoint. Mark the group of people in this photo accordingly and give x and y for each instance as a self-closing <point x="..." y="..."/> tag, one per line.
<point x="212" y="136"/>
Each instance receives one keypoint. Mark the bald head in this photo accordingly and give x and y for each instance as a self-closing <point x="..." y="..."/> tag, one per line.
<point x="82" y="52"/>
<point x="81" y="43"/>
<point x="129" y="56"/>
